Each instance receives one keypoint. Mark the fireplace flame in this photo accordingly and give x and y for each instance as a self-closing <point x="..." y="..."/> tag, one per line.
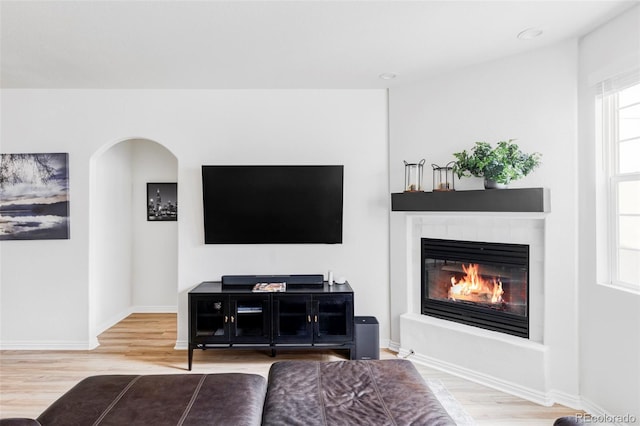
<point x="473" y="288"/>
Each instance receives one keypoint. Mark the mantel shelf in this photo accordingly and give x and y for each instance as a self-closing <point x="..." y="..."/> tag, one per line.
<point x="487" y="200"/>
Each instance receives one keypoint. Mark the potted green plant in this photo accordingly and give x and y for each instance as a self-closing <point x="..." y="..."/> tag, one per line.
<point x="499" y="166"/>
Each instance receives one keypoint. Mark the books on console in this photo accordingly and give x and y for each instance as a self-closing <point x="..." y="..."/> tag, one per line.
<point x="269" y="287"/>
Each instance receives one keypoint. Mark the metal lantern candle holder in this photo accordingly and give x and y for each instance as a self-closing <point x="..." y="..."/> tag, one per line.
<point x="443" y="177"/>
<point x="413" y="176"/>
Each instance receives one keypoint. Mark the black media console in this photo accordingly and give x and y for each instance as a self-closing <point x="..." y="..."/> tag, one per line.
<point x="309" y="314"/>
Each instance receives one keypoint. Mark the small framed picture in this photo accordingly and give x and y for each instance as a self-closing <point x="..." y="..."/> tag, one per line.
<point x="162" y="202"/>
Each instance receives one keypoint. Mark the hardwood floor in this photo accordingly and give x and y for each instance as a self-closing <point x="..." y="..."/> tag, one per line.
<point x="143" y="344"/>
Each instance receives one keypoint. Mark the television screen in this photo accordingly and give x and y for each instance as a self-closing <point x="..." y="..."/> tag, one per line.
<point x="272" y="204"/>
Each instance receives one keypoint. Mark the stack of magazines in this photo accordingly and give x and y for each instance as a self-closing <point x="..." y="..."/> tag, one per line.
<point x="269" y="287"/>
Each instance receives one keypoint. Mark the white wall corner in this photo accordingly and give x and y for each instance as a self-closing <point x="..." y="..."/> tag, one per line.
<point x="113" y="320"/>
<point x="393" y="346"/>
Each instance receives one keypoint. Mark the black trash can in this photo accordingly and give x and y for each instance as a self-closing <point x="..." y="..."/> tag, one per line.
<point x="367" y="337"/>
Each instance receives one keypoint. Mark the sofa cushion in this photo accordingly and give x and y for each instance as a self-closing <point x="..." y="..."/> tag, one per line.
<point x="179" y="399"/>
<point x="568" y="421"/>
<point x="19" y="421"/>
<point x="375" y="392"/>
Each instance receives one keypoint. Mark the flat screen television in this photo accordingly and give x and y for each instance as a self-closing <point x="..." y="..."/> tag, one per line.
<point x="268" y="204"/>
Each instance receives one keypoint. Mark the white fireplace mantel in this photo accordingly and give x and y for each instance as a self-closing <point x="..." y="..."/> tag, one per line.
<point x="513" y="364"/>
<point x="488" y="200"/>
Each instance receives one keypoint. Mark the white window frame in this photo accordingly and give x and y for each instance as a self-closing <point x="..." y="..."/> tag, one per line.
<point x="608" y="179"/>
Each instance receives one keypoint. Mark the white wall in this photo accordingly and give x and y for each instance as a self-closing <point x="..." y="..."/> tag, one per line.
<point x="110" y="288"/>
<point x="530" y="97"/>
<point x="44" y="286"/>
<point x="305" y="128"/>
<point x="198" y="127"/>
<point x="155" y="244"/>
<point x="609" y="318"/>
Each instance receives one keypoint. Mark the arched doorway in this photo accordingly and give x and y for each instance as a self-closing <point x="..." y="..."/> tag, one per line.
<point x="133" y="261"/>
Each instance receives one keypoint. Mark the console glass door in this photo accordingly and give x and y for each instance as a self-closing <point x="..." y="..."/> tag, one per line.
<point x="211" y="319"/>
<point x="292" y="319"/>
<point x="250" y="319"/>
<point x="333" y="317"/>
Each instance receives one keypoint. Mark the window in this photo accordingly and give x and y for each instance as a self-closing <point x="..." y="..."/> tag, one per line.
<point x="619" y="180"/>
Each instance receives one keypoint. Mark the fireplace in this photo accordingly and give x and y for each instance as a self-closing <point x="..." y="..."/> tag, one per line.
<point x="481" y="284"/>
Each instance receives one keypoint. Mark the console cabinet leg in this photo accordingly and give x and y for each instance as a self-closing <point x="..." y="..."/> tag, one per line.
<point x="190" y="356"/>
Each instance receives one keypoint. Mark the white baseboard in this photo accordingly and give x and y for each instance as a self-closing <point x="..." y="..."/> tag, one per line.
<point x="515" y="389"/>
<point x="43" y="345"/>
<point x="598" y="415"/>
<point x="393" y="346"/>
<point x="181" y="345"/>
<point x="568" y="400"/>
<point x="595" y="412"/>
<point x="92" y="343"/>
<point x="154" y="309"/>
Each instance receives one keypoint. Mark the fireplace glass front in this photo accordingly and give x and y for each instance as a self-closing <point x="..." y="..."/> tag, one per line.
<point x="477" y="283"/>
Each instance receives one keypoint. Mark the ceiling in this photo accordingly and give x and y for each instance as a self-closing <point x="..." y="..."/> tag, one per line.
<point x="271" y="44"/>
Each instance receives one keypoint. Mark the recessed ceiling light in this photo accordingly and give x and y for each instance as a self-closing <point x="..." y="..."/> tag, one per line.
<point x="530" y="33"/>
<point x="387" y="76"/>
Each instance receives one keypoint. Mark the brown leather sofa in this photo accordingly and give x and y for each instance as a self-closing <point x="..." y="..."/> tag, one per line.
<point x="374" y="392"/>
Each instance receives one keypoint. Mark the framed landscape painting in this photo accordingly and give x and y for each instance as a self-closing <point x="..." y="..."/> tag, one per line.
<point x="34" y="196"/>
<point x="162" y="202"/>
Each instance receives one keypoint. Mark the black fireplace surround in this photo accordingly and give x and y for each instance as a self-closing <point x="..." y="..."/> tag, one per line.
<point x="481" y="284"/>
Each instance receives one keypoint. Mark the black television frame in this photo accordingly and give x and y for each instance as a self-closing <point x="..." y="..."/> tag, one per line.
<point x="273" y="204"/>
